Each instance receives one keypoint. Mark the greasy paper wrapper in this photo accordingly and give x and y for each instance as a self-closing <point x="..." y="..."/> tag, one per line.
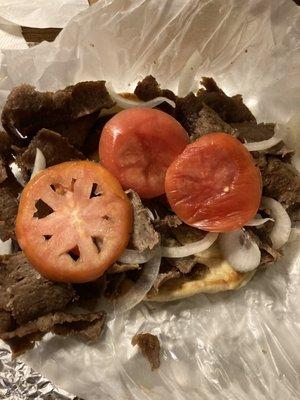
<point x="234" y="345"/>
<point x="41" y="13"/>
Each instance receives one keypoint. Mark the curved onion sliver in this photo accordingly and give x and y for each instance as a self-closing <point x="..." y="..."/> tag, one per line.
<point x="190" y="248"/>
<point x="39" y="163"/>
<point x="17" y="172"/>
<point x="282" y="227"/>
<point x="263" y="144"/>
<point x="126" y="103"/>
<point x="240" y="250"/>
<point x="140" y="288"/>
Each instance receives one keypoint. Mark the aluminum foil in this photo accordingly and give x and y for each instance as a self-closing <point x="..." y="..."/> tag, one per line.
<point x="229" y="346"/>
<point x="19" y="382"/>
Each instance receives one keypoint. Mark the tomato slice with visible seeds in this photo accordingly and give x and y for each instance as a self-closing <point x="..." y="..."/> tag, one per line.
<point x="74" y="220"/>
<point x="138" y="145"/>
<point x="214" y="184"/>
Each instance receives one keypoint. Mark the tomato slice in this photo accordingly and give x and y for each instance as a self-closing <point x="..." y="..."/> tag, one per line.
<point x="73" y="222"/>
<point x="138" y="145"/>
<point x="214" y="184"/>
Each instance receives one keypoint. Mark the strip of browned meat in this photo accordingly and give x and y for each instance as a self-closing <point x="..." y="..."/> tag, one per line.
<point x="27" y="110"/>
<point x="9" y="193"/>
<point x="280" y="180"/>
<point x="26" y="294"/>
<point x="55" y="148"/>
<point x="150" y="348"/>
<point x="229" y="109"/>
<point x="89" y="326"/>
<point x="144" y="236"/>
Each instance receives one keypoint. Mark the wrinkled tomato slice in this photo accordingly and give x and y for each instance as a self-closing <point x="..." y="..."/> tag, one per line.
<point x="74" y="221"/>
<point x="214" y="184"/>
<point x="138" y="145"/>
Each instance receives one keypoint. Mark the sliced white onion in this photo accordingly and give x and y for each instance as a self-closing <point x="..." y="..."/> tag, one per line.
<point x="151" y="215"/>
<point x="187" y="76"/>
<point x="240" y="250"/>
<point x="39" y="163"/>
<point x="282" y="227"/>
<point x="190" y="248"/>
<point x="127" y="103"/>
<point x="140" y="288"/>
<point x="263" y="144"/>
<point x="136" y="257"/>
<point x="5" y="247"/>
<point x="258" y="221"/>
<point x="16" y="170"/>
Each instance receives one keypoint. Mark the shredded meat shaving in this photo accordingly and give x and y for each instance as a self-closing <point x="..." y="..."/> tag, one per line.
<point x="89" y="326"/>
<point x="144" y="236"/>
<point x="5" y="143"/>
<point x="228" y="109"/>
<point x="169" y="221"/>
<point x="164" y="277"/>
<point x="27" y="110"/>
<point x="9" y="194"/>
<point x="3" y="171"/>
<point x="280" y="180"/>
<point x="185" y="264"/>
<point x="26" y="294"/>
<point x="268" y="253"/>
<point x="55" y="148"/>
<point x="118" y="267"/>
<point x="150" y="348"/>
<point x="209" y="121"/>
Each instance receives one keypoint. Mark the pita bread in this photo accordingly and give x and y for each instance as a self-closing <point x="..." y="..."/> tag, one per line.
<point x="220" y="276"/>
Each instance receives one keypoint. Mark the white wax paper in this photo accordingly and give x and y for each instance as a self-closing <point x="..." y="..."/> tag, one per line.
<point x="232" y="346"/>
<point x="10" y="38"/>
<point x="41" y="13"/>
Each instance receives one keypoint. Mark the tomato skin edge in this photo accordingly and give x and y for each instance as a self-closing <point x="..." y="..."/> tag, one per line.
<point x="133" y="126"/>
<point x="35" y="259"/>
<point x="252" y="171"/>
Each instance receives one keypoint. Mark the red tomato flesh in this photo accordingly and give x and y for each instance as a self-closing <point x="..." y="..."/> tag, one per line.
<point x="83" y="226"/>
<point x="138" y="145"/>
<point x="214" y="184"/>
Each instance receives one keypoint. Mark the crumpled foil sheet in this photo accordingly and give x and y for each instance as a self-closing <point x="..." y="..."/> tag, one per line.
<point x="241" y="345"/>
<point x="19" y="382"/>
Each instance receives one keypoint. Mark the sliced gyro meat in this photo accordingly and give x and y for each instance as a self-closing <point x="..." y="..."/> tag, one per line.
<point x="27" y="110"/>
